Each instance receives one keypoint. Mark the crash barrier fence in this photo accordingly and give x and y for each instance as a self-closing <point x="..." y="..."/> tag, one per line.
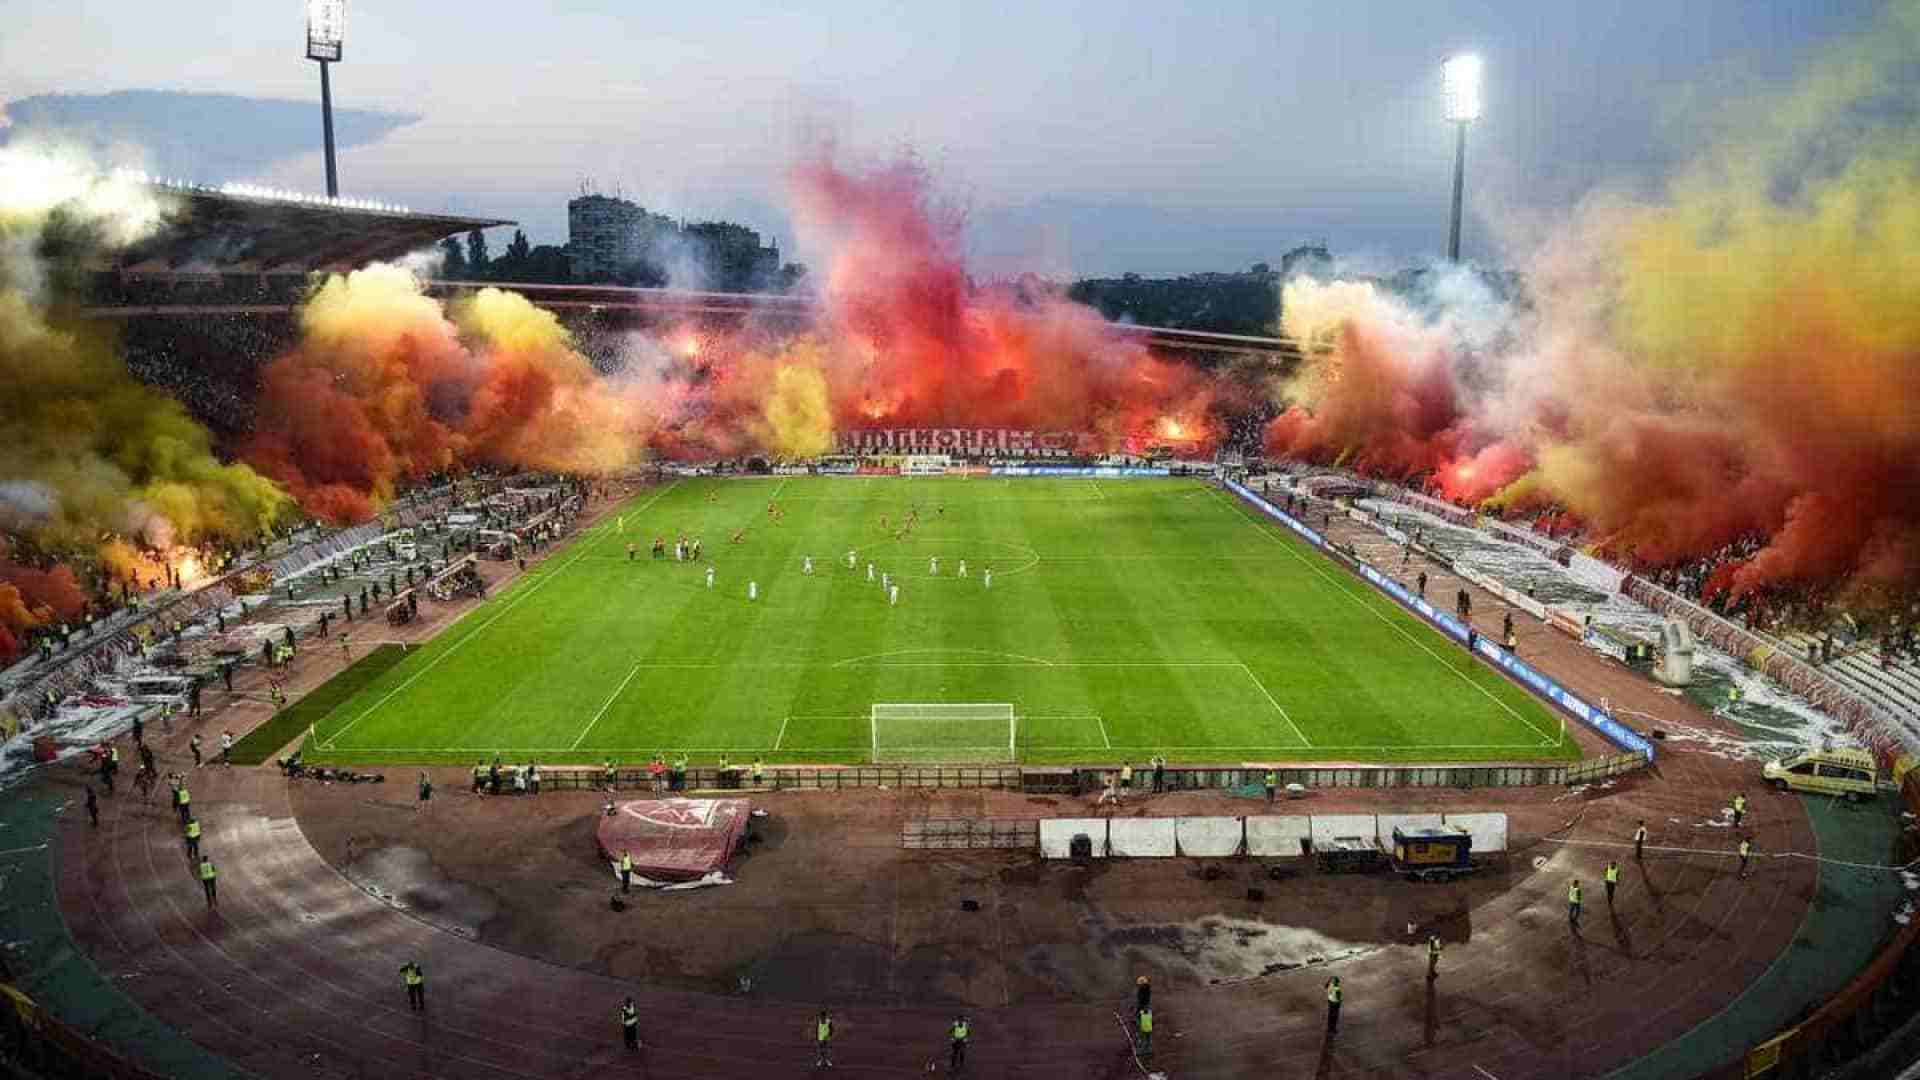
<point x="1874" y="725"/>
<point x="1494" y="653"/>
<point x="44" y="1045"/>
<point x="1878" y="999"/>
<point x="1075" y="780"/>
<point x="970" y="833"/>
<point x="1259" y="836"/>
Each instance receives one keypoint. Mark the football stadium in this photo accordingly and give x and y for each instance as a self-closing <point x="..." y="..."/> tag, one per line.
<point x="650" y="657"/>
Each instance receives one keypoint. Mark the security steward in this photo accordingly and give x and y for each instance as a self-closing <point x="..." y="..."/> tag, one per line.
<point x="1433" y="956"/>
<point x="207" y="876"/>
<point x="1333" y="1004"/>
<point x="416" y="983"/>
<point x="1573" y="905"/>
<point x="626" y="870"/>
<point x="958" y="1034"/>
<point x="1613" y="880"/>
<point x="823" y="1041"/>
<point x="193" y="840"/>
<point x="630" y="1024"/>
<point x="1145" y="1021"/>
<point x="1739" y="808"/>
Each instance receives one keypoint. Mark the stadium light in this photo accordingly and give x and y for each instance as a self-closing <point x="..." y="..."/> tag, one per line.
<point x="1460" y="92"/>
<point x="326" y="37"/>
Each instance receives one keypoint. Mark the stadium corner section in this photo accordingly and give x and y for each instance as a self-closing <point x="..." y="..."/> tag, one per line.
<point x="1528" y="677"/>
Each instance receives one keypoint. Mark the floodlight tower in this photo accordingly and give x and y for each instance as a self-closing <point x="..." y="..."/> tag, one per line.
<point x="326" y="29"/>
<point x="1460" y="86"/>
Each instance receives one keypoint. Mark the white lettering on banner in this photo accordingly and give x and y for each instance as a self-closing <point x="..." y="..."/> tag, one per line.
<point x="995" y="442"/>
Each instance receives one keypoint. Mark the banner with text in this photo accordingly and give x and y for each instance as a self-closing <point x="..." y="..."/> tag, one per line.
<point x="961" y="442"/>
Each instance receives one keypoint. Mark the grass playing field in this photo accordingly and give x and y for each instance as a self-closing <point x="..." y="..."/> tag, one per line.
<point x="1125" y="618"/>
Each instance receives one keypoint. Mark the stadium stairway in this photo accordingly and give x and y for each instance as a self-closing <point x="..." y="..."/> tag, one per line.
<point x="1896" y="689"/>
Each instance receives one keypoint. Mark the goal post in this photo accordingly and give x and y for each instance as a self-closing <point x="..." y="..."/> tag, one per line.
<point x="926" y="733"/>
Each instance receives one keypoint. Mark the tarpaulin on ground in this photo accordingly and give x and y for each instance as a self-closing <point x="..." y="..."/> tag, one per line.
<point x="674" y="839"/>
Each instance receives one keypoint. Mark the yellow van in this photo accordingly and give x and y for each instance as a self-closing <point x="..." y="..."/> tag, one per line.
<point x="1847" y="772"/>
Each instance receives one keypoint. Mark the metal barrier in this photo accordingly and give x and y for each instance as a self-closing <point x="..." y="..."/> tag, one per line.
<point x="970" y="833"/>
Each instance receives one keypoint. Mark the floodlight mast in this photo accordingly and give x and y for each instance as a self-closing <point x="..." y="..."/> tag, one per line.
<point x="326" y="32"/>
<point x="1460" y="88"/>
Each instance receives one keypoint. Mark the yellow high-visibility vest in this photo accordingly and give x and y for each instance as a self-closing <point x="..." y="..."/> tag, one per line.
<point x="823" y="1030"/>
<point x="1613" y="874"/>
<point x="959" y="1033"/>
<point x="1573" y="893"/>
<point x="207" y="872"/>
<point x="1333" y="993"/>
<point x="1146" y="1021"/>
<point x="185" y="796"/>
<point x="626" y="861"/>
<point x="193" y="829"/>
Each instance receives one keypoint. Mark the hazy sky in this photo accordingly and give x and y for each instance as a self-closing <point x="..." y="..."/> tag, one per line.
<point x="1086" y="138"/>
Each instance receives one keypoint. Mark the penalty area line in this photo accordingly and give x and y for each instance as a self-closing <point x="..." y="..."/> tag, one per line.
<point x="605" y="705"/>
<point x="502" y="613"/>
<point x="782" y="737"/>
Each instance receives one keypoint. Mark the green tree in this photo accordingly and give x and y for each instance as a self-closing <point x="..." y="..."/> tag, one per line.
<point x="453" y="263"/>
<point x="477" y="261"/>
<point x="518" y="248"/>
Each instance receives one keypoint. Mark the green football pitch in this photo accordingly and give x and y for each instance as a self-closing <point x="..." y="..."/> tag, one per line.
<point x="1124" y="618"/>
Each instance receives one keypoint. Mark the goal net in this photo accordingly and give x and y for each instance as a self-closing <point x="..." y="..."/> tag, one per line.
<point x="929" y="733"/>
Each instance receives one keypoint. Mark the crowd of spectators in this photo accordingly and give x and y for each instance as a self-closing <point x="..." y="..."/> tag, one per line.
<point x="211" y="363"/>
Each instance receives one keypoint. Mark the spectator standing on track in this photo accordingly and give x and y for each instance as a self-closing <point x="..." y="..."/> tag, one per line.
<point x="533" y="778"/>
<point x="630" y="1024"/>
<point x="1433" y="956"/>
<point x="607" y="774"/>
<point x="1126" y="778"/>
<point x="1573" y="905"/>
<point x="208" y="877"/>
<point x="426" y="789"/>
<point x="1640" y="841"/>
<point x="1739" y="807"/>
<point x="93" y="807"/>
<point x="1421" y="581"/>
<point x="1613" y="881"/>
<point x="1746" y="852"/>
<point x="479" y="776"/>
<point x="957" y="1034"/>
<point x="1334" y="994"/>
<point x="1159" y="773"/>
<point x="415" y="981"/>
<point x="226" y="748"/>
<point x="823" y="1041"/>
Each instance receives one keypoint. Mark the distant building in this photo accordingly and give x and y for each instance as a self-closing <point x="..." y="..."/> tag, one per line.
<point x="732" y="255"/>
<point x="1311" y="260"/>
<point x="614" y="239"/>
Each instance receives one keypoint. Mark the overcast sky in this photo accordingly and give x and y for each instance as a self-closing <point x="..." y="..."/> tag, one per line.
<point x="1086" y="138"/>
